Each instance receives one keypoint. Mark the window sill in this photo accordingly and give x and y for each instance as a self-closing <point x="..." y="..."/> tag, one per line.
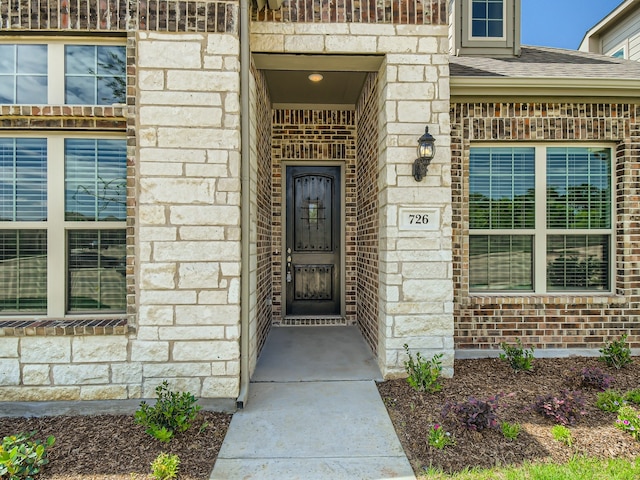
<point x="58" y="328"/>
<point x="548" y="299"/>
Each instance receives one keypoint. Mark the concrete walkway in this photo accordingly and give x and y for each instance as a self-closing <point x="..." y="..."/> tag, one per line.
<point x="314" y="412"/>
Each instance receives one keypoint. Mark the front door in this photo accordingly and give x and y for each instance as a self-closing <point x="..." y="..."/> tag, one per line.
<point x="313" y="241"/>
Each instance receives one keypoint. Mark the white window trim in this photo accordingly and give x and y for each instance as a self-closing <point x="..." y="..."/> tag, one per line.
<point x="541" y="232"/>
<point x="471" y="37"/>
<point x="55" y="59"/>
<point x="56" y="225"/>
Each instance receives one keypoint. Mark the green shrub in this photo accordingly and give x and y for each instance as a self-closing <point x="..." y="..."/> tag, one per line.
<point x="172" y="412"/>
<point x="510" y="431"/>
<point x="617" y="353"/>
<point x="518" y="357"/>
<point x="165" y="466"/>
<point x="610" y="401"/>
<point x="562" y="434"/>
<point x="439" y="437"/>
<point x="21" y="457"/>
<point x="633" y="396"/>
<point x="424" y="376"/>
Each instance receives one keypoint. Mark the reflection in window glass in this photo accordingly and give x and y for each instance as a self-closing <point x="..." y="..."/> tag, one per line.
<point x="501" y="262"/>
<point x="577" y="262"/>
<point x="578" y="188"/>
<point x="501" y="184"/>
<point x="487" y="18"/>
<point x="23" y="74"/>
<point x="95" y="180"/>
<point x="23" y="271"/>
<point x="23" y="179"/>
<point x="96" y="270"/>
<point x="95" y="74"/>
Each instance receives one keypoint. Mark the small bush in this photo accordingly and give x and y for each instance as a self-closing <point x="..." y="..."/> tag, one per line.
<point x="172" y="412"/>
<point x="617" y="353"/>
<point x="629" y="421"/>
<point x="563" y="408"/>
<point x="165" y="466"/>
<point x="633" y="396"/>
<point x="474" y="414"/>
<point x="510" y="431"/>
<point x="21" y="457"/>
<point x="610" y="401"/>
<point x="519" y="358"/>
<point x="562" y="434"/>
<point x="590" y="377"/>
<point x="439" y="438"/>
<point x="424" y="376"/>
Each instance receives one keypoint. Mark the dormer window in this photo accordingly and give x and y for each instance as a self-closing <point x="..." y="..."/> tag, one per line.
<point x="485" y="27"/>
<point x="487" y="18"/>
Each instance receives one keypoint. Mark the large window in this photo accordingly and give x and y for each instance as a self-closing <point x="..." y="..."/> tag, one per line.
<point x="62" y="225"/>
<point x="62" y="73"/>
<point x="487" y="18"/>
<point x="540" y="219"/>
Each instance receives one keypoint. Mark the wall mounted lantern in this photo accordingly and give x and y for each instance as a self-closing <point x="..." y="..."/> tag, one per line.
<point x="426" y="152"/>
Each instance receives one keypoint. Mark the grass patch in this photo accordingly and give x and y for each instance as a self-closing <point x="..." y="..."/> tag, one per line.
<point x="578" y="468"/>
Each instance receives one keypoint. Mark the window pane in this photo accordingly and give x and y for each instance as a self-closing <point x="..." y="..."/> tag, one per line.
<point x="80" y="90"/>
<point x="578" y="262"/>
<point x="487" y="18"/>
<point x="80" y="59"/>
<point x="23" y="179"/>
<point x="31" y="90"/>
<point x="578" y="188"/>
<point x="23" y="74"/>
<point x="7" y="59"/>
<point x="32" y="59"/>
<point x="95" y="74"/>
<point x="97" y="266"/>
<point x="23" y="271"/>
<point x="500" y="262"/>
<point x="95" y="179"/>
<point x="501" y="183"/>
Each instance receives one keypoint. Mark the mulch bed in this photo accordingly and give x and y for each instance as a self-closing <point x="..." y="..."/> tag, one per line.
<point x="114" y="447"/>
<point x="595" y="434"/>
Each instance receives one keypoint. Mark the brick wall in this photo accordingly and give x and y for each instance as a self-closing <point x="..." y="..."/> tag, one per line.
<point x="368" y="227"/>
<point x="264" y="188"/>
<point x="550" y="321"/>
<point x="409" y="12"/>
<point x="312" y="135"/>
<point x="119" y="15"/>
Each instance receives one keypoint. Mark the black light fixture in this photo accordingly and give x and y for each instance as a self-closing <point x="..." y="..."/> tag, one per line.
<point x="426" y="152"/>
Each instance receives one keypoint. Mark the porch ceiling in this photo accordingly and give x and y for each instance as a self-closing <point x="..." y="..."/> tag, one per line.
<point x="288" y="83"/>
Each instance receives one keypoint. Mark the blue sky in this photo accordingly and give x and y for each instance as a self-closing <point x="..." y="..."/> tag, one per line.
<point x="561" y="23"/>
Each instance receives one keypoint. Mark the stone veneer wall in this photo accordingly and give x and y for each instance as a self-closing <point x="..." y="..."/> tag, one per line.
<point x="314" y="135"/>
<point x="182" y="127"/>
<point x="550" y="321"/>
<point x="189" y="211"/>
<point x="367" y="207"/>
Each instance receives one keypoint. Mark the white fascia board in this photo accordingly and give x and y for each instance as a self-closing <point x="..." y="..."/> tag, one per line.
<point x="544" y="87"/>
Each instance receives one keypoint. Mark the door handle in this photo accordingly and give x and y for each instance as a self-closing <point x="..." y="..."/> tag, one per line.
<point x="289" y="277"/>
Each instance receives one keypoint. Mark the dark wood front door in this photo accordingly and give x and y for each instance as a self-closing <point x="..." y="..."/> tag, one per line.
<point x="312" y="256"/>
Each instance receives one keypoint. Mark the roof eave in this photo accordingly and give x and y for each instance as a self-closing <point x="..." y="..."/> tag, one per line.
<point x="544" y="87"/>
<point x="606" y="22"/>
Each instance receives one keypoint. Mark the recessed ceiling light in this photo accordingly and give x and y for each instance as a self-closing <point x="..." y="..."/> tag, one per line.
<point x="315" y="77"/>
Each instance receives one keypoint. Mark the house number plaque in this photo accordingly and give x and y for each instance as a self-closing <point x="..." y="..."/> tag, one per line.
<point x="419" y="219"/>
